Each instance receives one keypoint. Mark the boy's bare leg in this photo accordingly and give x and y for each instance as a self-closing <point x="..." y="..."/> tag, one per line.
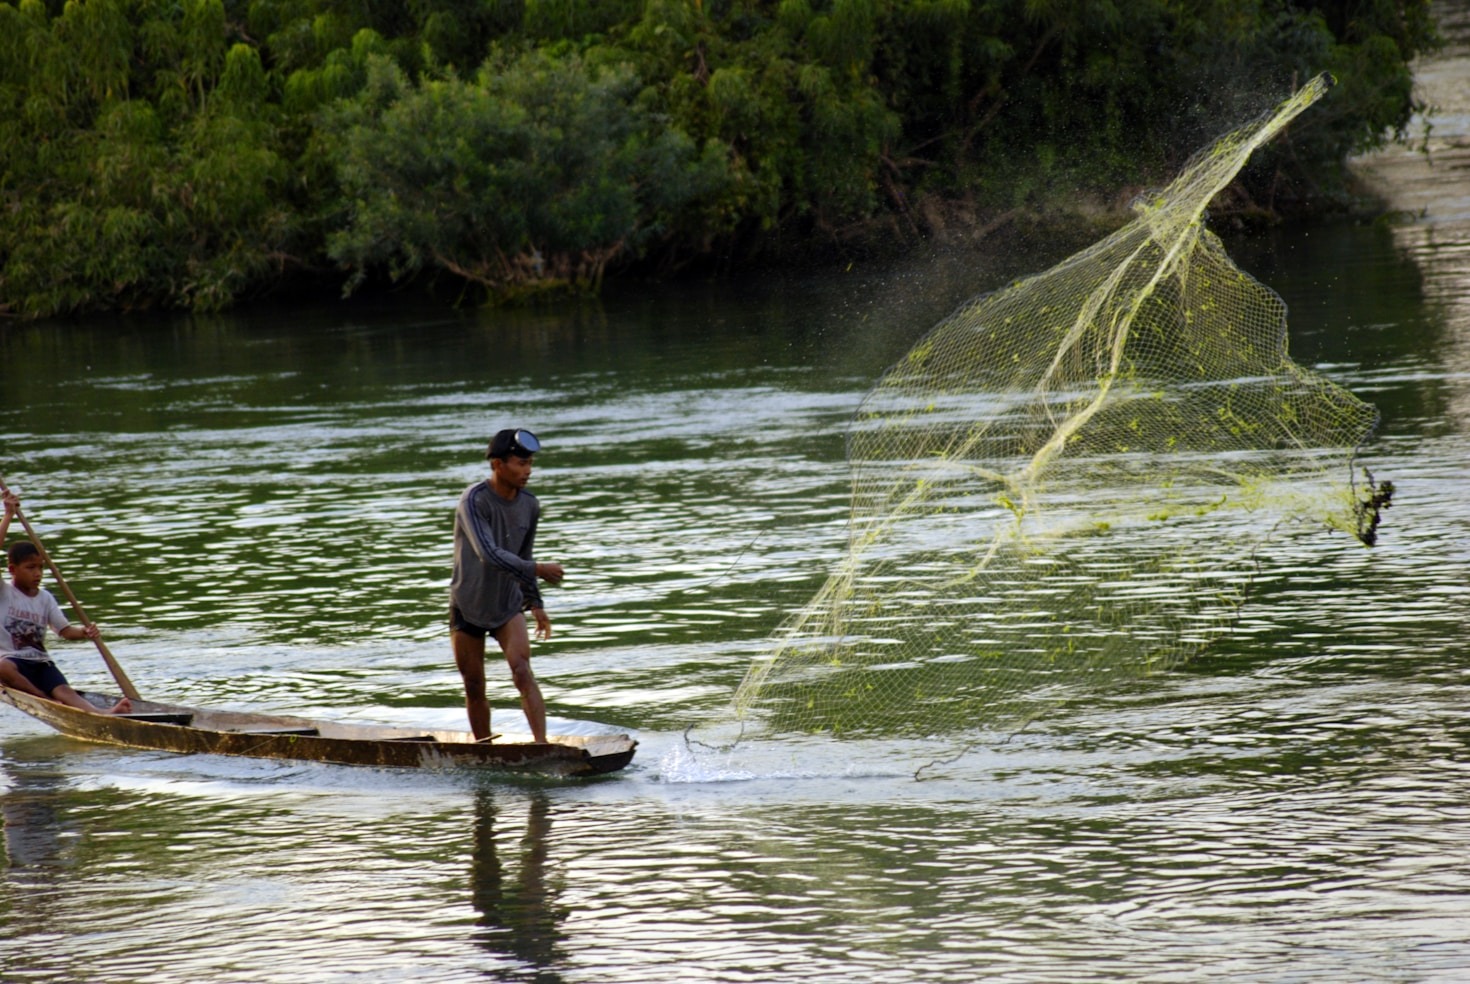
<point x="15" y="680"/>
<point x="515" y="642"/>
<point x="64" y="694"/>
<point x="12" y="678"/>
<point x="469" y="656"/>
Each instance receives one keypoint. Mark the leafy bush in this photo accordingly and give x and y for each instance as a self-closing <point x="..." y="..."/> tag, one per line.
<point x="541" y="171"/>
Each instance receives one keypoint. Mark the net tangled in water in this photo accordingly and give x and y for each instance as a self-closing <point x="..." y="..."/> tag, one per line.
<point x="1067" y="480"/>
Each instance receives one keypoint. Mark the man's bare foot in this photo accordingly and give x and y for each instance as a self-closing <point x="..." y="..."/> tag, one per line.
<point x="123" y="706"/>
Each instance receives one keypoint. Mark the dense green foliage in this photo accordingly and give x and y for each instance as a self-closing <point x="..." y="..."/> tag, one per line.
<point x="195" y="152"/>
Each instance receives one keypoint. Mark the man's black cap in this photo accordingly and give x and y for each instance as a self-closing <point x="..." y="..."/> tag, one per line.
<point x="513" y="441"/>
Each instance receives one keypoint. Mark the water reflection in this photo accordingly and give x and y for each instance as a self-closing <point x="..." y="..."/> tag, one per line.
<point x="37" y="834"/>
<point x="42" y="851"/>
<point x="1430" y="187"/>
<point x="521" y="913"/>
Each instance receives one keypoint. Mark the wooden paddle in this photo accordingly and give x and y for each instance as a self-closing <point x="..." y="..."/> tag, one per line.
<point x="112" y="664"/>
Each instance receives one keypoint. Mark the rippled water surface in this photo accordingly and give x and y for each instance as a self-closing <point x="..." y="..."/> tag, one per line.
<point x="256" y="509"/>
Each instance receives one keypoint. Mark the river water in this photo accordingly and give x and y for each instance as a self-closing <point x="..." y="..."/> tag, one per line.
<point x="256" y="509"/>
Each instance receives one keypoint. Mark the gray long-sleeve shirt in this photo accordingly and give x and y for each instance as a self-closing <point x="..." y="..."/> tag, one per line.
<point x="494" y="575"/>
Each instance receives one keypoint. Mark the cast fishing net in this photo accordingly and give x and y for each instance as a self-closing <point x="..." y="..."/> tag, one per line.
<point x="1067" y="481"/>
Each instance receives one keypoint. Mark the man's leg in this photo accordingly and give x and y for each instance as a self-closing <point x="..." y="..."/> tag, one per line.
<point x="469" y="656"/>
<point x="515" y="642"/>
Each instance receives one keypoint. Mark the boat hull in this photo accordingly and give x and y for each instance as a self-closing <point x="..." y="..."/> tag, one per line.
<point x="191" y="730"/>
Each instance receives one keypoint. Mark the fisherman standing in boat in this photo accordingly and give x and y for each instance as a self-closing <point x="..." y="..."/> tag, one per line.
<point x="494" y="581"/>
<point x="26" y="611"/>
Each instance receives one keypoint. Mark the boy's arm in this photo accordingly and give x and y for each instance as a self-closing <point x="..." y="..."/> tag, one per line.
<point x="12" y="506"/>
<point x="69" y="631"/>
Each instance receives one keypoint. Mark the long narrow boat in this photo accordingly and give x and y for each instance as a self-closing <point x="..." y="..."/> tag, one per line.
<point x="175" y="728"/>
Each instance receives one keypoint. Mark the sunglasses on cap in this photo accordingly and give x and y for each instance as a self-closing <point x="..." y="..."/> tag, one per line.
<point x="523" y="444"/>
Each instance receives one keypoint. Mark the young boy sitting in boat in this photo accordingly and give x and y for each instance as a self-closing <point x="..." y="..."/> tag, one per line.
<point x="26" y="610"/>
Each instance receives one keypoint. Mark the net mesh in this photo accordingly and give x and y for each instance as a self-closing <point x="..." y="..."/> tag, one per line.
<point x="1067" y="481"/>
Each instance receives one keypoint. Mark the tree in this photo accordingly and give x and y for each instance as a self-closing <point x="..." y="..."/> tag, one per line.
<point x="539" y="173"/>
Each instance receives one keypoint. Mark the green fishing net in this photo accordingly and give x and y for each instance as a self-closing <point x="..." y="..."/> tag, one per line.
<point x="1066" y="483"/>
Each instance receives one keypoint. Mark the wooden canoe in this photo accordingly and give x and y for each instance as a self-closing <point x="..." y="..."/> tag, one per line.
<point x="175" y="728"/>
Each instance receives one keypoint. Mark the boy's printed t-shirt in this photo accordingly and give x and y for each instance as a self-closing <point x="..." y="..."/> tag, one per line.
<point x="23" y="622"/>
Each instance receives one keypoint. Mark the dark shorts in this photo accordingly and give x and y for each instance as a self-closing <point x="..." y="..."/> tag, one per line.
<point x="457" y="623"/>
<point x="42" y="673"/>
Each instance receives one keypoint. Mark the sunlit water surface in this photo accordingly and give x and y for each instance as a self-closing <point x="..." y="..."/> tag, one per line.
<point x="256" y="509"/>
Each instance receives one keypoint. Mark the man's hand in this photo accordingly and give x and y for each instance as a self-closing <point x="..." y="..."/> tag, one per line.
<point x="550" y="573"/>
<point x="543" y="623"/>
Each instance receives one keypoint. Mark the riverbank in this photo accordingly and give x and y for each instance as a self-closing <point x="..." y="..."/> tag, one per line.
<point x="549" y="147"/>
<point x="1412" y="180"/>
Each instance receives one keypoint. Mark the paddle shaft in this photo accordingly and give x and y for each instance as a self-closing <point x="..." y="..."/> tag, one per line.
<point x="113" y="666"/>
